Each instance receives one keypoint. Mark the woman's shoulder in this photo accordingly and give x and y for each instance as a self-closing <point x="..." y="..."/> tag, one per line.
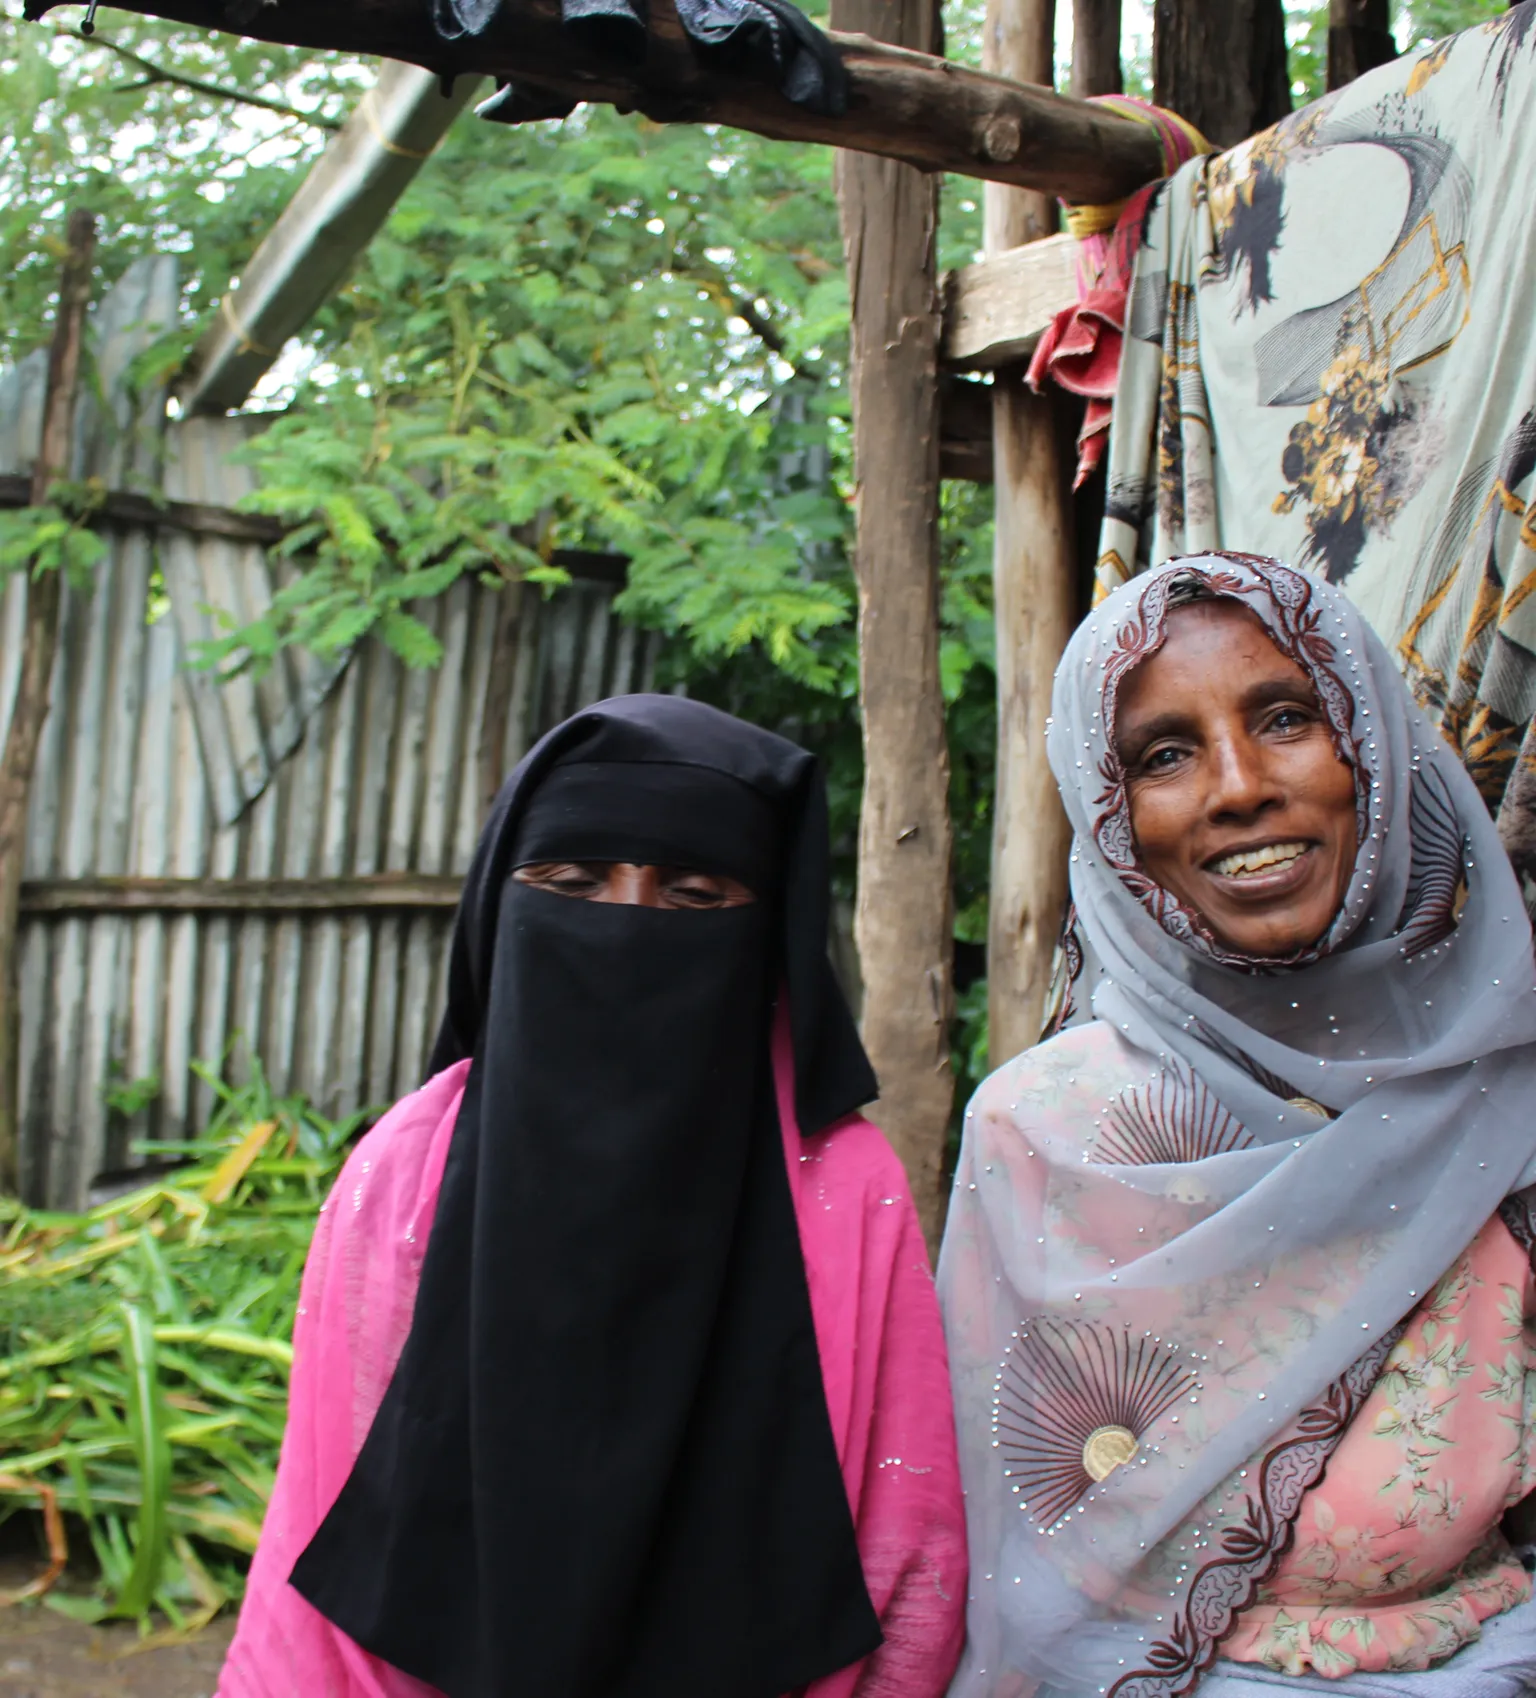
<point x="404" y="1150"/>
<point x="1072" y="1074"/>
<point x="855" y="1149"/>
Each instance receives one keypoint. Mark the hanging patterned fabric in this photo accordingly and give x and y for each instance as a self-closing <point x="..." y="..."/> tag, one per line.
<point x="1080" y="350"/>
<point x="1330" y="357"/>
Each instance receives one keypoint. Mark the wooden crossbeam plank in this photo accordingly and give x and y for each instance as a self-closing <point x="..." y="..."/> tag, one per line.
<point x="996" y="309"/>
<point x="131" y="895"/>
<point x="129" y="507"/>
<point x="333" y="216"/>
<point x="965" y="428"/>
<point x="930" y="112"/>
<point x="201" y="518"/>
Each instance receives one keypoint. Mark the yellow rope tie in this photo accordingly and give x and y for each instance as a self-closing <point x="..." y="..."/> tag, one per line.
<point x="247" y="344"/>
<point x="1086" y="221"/>
<point x="1097" y="220"/>
<point x="371" y="119"/>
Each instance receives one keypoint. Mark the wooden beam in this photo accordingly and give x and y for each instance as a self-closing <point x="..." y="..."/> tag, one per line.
<point x="364" y="892"/>
<point x="903" y="919"/>
<point x="200" y="518"/>
<point x="996" y="310"/>
<point x="1221" y="64"/>
<point x="965" y="428"/>
<point x="902" y="104"/>
<point x="39" y="646"/>
<point x="1359" y="39"/>
<point x="1096" y="48"/>
<point x="334" y="214"/>
<point x="1033" y="571"/>
<point x="129" y="507"/>
<point x="1035" y="597"/>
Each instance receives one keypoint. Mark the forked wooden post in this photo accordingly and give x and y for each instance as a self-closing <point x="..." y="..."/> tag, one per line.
<point x="1033" y="572"/>
<point x="40" y="643"/>
<point x="903" y="921"/>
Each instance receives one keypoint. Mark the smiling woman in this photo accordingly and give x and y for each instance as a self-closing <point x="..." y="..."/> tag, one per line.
<point x="1237" y="1267"/>
<point x="1241" y="805"/>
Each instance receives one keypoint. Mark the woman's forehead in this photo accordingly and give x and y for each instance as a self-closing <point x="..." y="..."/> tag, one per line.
<point x="1208" y="644"/>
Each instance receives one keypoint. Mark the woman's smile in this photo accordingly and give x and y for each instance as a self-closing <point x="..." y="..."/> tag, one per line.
<point x="1264" y="873"/>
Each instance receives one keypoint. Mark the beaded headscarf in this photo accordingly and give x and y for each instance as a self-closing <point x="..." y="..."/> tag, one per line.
<point x="1186" y="1232"/>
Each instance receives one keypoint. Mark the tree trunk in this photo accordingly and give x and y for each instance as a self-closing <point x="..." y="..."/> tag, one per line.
<point x="1033" y="588"/>
<point x="903" y="922"/>
<point x="1221" y="64"/>
<point x="1359" y="38"/>
<point x="40" y="642"/>
<point x="1096" y="48"/>
<point x="1019" y="42"/>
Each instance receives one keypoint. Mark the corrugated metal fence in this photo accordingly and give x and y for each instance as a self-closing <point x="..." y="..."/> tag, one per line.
<point x="325" y="812"/>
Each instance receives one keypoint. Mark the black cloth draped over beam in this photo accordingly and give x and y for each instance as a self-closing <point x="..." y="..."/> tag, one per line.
<point x="604" y="1466"/>
<point x="769" y="39"/>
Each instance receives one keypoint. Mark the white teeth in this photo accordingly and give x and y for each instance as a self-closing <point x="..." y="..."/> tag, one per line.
<point x="1254" y="860"/>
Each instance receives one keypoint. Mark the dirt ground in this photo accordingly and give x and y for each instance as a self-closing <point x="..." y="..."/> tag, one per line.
<point x="45" y="1655"/>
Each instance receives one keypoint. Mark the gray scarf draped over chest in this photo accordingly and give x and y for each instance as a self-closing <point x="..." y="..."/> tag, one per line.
<point x="1169" y="1281"/>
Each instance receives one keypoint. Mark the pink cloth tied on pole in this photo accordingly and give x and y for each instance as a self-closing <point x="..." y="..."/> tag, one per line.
<point x="883" y="1364"/>
<point x="1080" y="348"/>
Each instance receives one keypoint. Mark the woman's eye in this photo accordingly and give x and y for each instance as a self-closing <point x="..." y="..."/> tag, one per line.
<point x="570" y="881"/>
<point x="1161" y="760"/>
<point x="696" y="895"/>
<point x="1290" y="719"/>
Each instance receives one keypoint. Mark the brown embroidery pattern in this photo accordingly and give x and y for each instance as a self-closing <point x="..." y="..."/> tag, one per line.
<point x="1440" y="850"/>
<point x="1252" y="1549"/>
<point x="1519" y="1214"/>
<point x="1063" y="991"/>
<point x="1174" y="1117"/>
<point x="1072" y="1403"/>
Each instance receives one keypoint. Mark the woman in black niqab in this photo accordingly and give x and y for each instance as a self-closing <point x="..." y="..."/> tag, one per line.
<point x="604" y="1466"/>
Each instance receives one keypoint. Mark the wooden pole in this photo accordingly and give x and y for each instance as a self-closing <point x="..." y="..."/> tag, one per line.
<point x="1359" y="38"/>
<point x="1034" y="592"/>
<point x="903" y="922"/>
<point x="903" y="104"/>
<point x="40" y="643"/>
<point x="1221" y="64"/>
<point x="1095" y="48"/>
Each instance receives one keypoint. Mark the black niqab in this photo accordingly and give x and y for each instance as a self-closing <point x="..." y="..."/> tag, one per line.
<point x="604" y="1466"/>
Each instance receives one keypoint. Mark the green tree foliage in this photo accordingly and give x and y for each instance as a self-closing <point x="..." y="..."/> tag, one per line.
<point x="1413" y="21"/>
<point x="600" y="333"/>
<point x="179" y="140"/>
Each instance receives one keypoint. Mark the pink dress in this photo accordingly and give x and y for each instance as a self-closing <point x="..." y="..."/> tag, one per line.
<point x="883" y="1366"/>
<point x="1397" y="1557"/>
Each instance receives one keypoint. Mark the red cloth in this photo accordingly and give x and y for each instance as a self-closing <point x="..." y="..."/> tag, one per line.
<point x="1080" y="349"/>
<point x="883" y="1365"/>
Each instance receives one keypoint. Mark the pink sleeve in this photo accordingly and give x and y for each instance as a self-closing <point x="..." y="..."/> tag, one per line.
<point x="887" y="1380"/>
<point x="883" y="1365"/>
<point x="355" y="1304"/>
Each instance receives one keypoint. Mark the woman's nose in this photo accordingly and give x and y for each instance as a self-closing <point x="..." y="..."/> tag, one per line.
<point x="1242" y="783"/>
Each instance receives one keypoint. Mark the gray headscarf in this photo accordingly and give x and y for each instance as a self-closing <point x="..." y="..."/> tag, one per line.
<point x="1185" y="1235"/>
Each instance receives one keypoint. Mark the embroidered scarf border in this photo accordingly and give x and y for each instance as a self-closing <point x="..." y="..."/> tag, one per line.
<point x="1251" y="1551"/>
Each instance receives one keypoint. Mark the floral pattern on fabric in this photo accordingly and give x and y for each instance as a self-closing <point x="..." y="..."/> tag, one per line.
<point x="1393" y="1565"/>
<point x="1321" y="363"/>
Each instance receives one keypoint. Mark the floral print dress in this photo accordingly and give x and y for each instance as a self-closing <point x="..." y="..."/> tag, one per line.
<point x="1397" y="1557"/>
